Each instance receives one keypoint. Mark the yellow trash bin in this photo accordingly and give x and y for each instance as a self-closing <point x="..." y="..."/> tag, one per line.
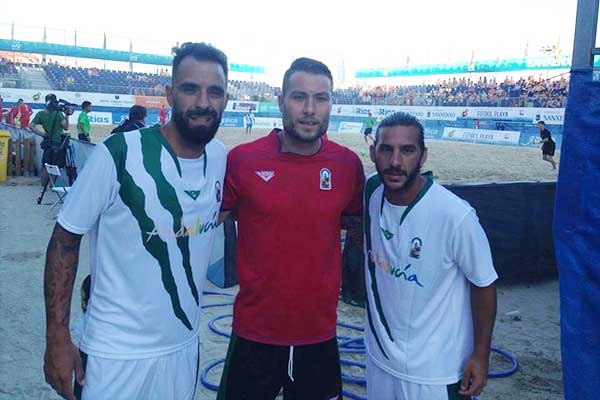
<point x="4" y="154"/>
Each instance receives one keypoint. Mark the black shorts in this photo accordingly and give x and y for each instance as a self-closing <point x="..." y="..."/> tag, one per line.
<point x="83" y="137"/>
<point x="368" y="131"/>
<point x="548" y="148"/>
<point x="55" y="156"/>
<point x="257" y="371"/>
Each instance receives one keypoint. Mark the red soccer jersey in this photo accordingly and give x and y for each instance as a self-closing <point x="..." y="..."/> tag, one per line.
<point x="25" y="114"/>
<point x="289" y="210"/>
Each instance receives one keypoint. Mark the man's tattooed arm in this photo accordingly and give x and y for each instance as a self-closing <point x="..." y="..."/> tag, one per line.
<point x="61" y="359"/>
<point x="62" y="257"/>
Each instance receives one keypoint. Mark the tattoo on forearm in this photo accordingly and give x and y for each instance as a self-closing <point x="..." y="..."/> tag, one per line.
<point x="59" y="276"/>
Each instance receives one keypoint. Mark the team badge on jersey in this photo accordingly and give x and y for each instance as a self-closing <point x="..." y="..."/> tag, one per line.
<point x="218" y="191"/>
<point x="325" y="181"/>
<point x="415" y="247"/>
<point x="265" y="175"/>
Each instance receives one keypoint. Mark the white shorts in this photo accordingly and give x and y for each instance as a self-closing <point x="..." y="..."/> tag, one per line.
<point x="383" y="385"/>
<point x="169" y="377"/>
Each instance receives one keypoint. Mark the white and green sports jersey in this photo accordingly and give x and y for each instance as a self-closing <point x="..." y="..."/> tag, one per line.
<point x="419" y="262"/>
<point x="151" y="218"/>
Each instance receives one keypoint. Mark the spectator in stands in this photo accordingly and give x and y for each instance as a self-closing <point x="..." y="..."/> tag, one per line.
<point x="163" y="115"/>
<point x="136" y="120"/>
<point x="83" y="123"/>
<point x="55" y="123"/>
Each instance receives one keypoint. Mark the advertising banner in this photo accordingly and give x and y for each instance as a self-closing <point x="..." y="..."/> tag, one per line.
<point x="37" y="96"/>
<point x="350" y="127"/>
<point x="481" y="136"/>
<point x="241" y="106"/>
<point x="151" y="101"/>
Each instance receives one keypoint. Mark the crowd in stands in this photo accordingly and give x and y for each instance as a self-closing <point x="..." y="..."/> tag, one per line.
<point x="523" y="92"/>
<point x="9" y="74"/>
<point x="252" y="91"/>
<point x="108" y="81"/>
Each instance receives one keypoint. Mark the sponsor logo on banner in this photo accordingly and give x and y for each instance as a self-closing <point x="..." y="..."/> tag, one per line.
<point x="481" y="135"/>
<point x="269" y="108"/>
<point x="96" y="118"/>
<point x="231" y="122"/>
<point x="242" y="106"/>
<point x="151" y="101"/>
<point x="550" y="116"/>
<point x="423" y="113"/>
<point x="270" y="123"/>
<point x="494" y="113"/>
<point x="440" y="115"/>
<point x="350" y="127"/>
<point x="110" y="100"/>
<point x="531" y="140"/>
<point x="431" y="133"/>
<point x="36" y="96"/>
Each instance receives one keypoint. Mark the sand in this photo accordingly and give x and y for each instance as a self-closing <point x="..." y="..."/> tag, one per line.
<point x="449" y="161"/>
<point x="533" y="337"/>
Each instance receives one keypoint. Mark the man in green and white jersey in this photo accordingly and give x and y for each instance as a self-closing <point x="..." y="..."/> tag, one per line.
<point x="149" y="199"/>
<point x="431" y="299"/>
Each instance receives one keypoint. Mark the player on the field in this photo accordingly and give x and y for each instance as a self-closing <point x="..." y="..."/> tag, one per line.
<point x="548" y="145"/>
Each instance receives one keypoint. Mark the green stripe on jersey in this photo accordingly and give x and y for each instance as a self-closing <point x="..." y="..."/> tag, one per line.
<point x="155" y="131"/>
<point x="373" y="183"/>
<point x="413" y="203"/>
<point x="151" y="151"/>
<point x="134" y="198"/>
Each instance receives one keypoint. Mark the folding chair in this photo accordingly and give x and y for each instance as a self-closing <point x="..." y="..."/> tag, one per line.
<point x="61" y="191"/>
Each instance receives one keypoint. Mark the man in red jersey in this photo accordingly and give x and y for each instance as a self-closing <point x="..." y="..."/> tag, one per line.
<point x="289" y="191"/>
<point x="162" y="115"/>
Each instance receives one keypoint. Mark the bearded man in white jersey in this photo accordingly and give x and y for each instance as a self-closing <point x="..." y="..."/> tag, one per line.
<point x="431" y="298"/>
<point x="149" y="199"/>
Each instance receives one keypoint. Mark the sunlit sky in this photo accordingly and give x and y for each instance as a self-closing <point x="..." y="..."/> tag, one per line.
<point x="270" y="33"/>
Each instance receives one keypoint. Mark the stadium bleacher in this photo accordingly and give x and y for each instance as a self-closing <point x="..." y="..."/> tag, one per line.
<point x="455" y="91"/>
<point x="9" y="74"/>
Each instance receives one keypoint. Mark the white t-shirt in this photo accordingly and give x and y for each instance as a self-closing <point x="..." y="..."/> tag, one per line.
<point x="151" y="218"/>
<point x="419" y="263"/>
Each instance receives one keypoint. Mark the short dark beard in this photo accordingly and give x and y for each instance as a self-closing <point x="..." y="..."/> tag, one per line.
<point x="201" y="134"/>
<point x="288" y="128"/>
<point x="410" y="179"/>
